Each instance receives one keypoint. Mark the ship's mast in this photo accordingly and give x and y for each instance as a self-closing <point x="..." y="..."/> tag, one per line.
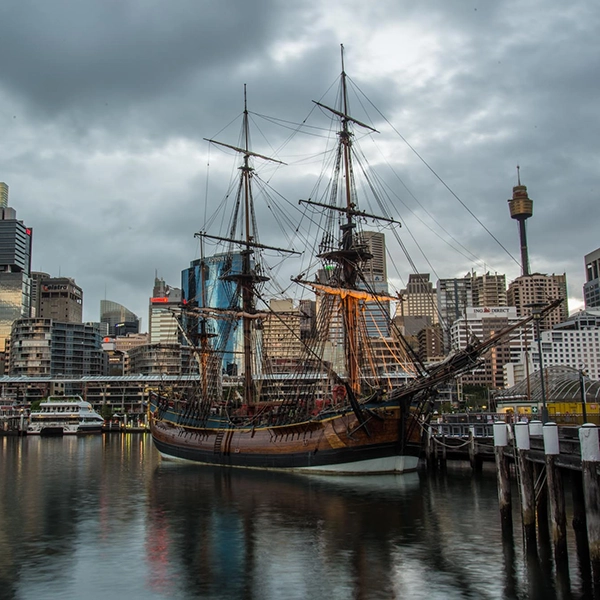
<point x="247" y="279"/>
<point x="350" y="251"/>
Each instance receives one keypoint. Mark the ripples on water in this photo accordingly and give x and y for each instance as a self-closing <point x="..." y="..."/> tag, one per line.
<point x="103" y="516"/>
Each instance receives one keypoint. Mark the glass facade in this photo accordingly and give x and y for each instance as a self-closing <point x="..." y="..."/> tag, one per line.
<point x="114" y="314"/>
<point x="221" y="294"/>
<point x="14" y="302"/>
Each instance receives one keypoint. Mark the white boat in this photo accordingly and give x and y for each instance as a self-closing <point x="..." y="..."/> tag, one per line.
<point x="64" y="415"/>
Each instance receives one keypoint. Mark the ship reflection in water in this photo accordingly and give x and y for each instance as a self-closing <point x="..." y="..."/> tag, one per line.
<point x="91" y="518"/>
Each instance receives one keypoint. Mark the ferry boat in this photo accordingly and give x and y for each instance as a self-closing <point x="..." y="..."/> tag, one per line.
<point x="64" y="415"/>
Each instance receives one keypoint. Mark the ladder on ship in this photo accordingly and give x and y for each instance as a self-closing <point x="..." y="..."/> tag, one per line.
<point x="218" y="441"/>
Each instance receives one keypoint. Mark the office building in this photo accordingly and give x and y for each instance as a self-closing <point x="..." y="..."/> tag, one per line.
<point x="36" y="289"/>
<point x="161" y="359"/>
<point x="376" y="314"/>
<point x="164" y="314"/>
<point x="419" y="299"/>
<point x="480" y="324"/>
<point x="281" y="332"/>
<point x="210" y="282"/>
<point x="591" y="287"/>
<point x="120" y="320"/>
<point x="59" y="299"/>
<point x="528" y="291"/>
<point x="454" y="296"/>
<point x="573" y="343"/>
<point x="15" y="268"/>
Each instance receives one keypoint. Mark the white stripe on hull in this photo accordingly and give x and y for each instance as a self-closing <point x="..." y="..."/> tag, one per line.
<point x="376" y="466"/>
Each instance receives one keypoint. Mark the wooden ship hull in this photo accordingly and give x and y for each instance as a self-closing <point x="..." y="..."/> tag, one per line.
<point x="386" y="443"/>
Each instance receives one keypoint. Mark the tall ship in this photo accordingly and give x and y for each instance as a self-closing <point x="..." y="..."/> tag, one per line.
<point x="333" y="405"/>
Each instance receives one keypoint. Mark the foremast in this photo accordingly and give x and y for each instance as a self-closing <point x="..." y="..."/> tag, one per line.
<point x="248" y="277"/>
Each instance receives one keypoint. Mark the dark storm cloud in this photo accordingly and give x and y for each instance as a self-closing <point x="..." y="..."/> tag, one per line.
<point x="59" y="55"/>
<point x="103" y="107"/>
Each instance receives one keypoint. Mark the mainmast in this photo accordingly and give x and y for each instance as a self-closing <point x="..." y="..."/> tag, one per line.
<point x="351" y="251"/>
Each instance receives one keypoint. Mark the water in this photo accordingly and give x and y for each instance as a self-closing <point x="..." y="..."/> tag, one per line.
<point x="103" y="516"/>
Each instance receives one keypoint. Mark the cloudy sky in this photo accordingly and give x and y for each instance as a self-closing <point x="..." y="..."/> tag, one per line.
<point x="104" y="107"/>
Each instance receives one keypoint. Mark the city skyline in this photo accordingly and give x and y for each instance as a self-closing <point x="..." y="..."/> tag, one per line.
<point x="104" y="119"/>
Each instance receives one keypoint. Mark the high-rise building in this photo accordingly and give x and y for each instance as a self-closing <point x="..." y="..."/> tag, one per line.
<point x="488" y="289"/>
<point x="15" y="267"/>
<point x="60" y="299"/>
<point x="121" y="320"/>
<point x="454" y="296"/>
<point x="36" y="291"/>
<point x="591" y="287"/>
<point x="536" y="289"/>
<point x="377" y="314"/>
<point x="419" y="299"/>
<point x="209" y="282"/>
<point x="164" y="313"/>
<point x="431" y="344"/>
<point x="481" y="323"/>
<point x="574" y="343"/>
<point x="44" y="347"/>
<point x="281" y="332"/>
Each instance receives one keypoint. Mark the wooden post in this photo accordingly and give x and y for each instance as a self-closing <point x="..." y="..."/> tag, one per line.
<point x="556" y="495"/>
<point x="443" y="458"/>
<point x="526" y="487"/>
<point x="472" y="447"/>
<point x="580" y="530"/>
<point x="541" y="504"/>
<point x="430" y="450"/>
<point x="503" y="475"/>
<point x="590" y="457"/>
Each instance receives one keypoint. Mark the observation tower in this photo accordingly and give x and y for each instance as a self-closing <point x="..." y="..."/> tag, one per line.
<point x="521" y="208"/>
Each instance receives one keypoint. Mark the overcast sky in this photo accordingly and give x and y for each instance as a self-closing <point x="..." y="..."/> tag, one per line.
<point x="104" y="107"/>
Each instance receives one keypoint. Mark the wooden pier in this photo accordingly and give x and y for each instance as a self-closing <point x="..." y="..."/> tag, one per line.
<point x="538" y="457"/>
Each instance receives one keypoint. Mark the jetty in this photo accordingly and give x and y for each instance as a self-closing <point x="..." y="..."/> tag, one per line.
<point x="537" y="458"/>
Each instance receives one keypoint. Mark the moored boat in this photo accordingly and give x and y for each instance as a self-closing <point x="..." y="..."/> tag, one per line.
<point x="333" y="405"/>
<point x="64" y="415"/>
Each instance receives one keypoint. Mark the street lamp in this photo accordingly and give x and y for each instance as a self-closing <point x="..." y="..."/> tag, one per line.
<point x="536" y="312"/>
<point x="582" y="373"/>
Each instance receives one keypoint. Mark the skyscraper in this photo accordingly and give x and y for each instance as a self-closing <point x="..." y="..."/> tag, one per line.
<point x="60" y="299"/>
<point x="205" y="284"/>
<point x="377" y="314"/>
<point x="164" y="311"/>
<point x="536" y="288"/>
<point x="419" y="299"/>
<point x="591" y="287"/>
<point x="15" y="267"/>
<point x="121" y="320"/>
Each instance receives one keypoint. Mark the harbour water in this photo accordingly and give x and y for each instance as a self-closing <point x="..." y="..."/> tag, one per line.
<point x="104" y="516"/>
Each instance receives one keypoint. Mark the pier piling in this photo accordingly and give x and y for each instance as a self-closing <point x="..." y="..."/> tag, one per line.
<point x="556" y="495"/>
<point x="526" y="485"/>
<point x="590" y="459"/>
<point x="503" y="473"/>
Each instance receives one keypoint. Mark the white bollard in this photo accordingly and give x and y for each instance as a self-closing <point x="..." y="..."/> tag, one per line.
<point x="551" y="445"/>
<point x="522" y="436"/>
<point x="588" y="438"/>
<point x="500" y="434"/>
<point x="535" y="428"/>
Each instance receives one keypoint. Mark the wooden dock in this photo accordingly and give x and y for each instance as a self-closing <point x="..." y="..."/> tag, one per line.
<point x="538" y="457"/>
